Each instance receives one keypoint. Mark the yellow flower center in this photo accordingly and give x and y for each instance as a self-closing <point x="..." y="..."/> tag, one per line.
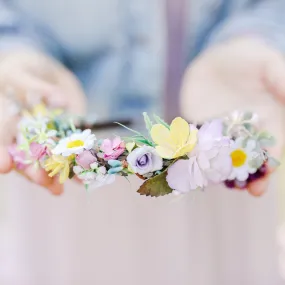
<point x="76" y="143"/>
<point x="238" y="158"/>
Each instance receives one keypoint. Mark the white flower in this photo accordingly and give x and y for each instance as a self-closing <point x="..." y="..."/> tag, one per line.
<point x="93" y="179"/>
<point x="75" y="144"/>
<point x="208" y="163"/>
<point x="87" y="177"/>
<point x="94" y="165"/>
<point x="102" y="180"/>
<point x="144" y="160"/>
<point x="77" y="169"/>
<point x="102" y="170"/>
<point x="241" y="157"/>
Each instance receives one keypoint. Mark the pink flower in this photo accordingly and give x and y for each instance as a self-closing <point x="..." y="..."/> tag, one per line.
<point x="112" y="149"/>
<point x="86" y="158"/>
<point x="18" y="156"/>
<point x="38" y="151"/>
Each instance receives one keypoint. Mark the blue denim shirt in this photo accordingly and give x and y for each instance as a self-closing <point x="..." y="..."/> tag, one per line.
<point x="117" y="47"/>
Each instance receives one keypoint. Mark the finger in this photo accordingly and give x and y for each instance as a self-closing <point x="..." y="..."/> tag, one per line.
<point x="72" y="89"/>
<point x="40" y="177"/>
<point x="50" y="93"/>
<point x="56" y="188"/>
<point x="273" y="76"/>
<point x="259" y="187"/>
<point x="25" y="86"/>
<point x="6" y="163"/>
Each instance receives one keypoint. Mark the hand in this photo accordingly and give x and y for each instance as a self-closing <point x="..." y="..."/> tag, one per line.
<point x="242" y="74"/>
<point x="25" y="73"/>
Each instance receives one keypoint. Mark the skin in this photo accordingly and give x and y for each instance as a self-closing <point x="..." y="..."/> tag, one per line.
<point x="26" y="72"/>
<point x="241" y="74"/>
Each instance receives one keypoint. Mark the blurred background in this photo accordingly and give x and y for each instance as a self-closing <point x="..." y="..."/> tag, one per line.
<point x="131" y="56"/>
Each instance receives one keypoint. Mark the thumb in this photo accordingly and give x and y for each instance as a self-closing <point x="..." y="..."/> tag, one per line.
<point x="273" y="77"/>
<point x="260" y="186"/>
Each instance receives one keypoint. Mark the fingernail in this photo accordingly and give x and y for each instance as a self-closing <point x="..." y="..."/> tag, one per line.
<point x="56" y="188"/>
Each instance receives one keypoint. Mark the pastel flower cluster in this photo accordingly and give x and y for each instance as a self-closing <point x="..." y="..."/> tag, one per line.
<point x="175" y="158"/>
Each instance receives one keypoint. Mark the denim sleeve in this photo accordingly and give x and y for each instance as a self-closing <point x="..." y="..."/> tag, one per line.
<point x="18" y="31"/>
<point x="264" y="18"/>
<point x="141" y="82"/>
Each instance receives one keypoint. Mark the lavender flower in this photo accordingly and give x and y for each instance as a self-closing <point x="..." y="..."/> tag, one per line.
<point x="144" y="160"/>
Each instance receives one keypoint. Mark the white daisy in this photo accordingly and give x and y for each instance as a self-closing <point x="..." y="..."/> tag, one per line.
<point x="75" y="144"/>
<point x="241" y="157"/>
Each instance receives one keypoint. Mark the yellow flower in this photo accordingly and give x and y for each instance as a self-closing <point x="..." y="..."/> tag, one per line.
<point x="41" y="110"/>
<point x="176" y="141"/>
<point x="58" y="164"/>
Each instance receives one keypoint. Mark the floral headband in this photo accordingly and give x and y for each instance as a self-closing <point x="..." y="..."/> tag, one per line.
<point x="175" y="158"/>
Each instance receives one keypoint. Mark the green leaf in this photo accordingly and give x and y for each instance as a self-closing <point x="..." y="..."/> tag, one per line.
<point x="160" y="121"/>
<point x="272" y="162"/>
<point x="156" y="186"/>
<point x="256" y="163"/>
<point x="266" y="139"/>
<point x="72" y="126"/>
<point x="129" y="129"/>
<point x="71" y="173"/>
<point x="148" y="122"/>
<point x="143" y="141"/>
<point x="247" y="116"/>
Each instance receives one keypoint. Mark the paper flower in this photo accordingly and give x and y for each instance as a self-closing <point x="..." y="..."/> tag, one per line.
<point x="175" y="141"/>
<point x="171" y="158"/>
<point x="87" y="177"/>
<point x="19" y="157"/>
<point x="86" y="159"/>
<point x="58" y="164"/>
<point x="38" y="151"/>
<point x="94" y="180"/>
<point x="112" y="149"/>
<point x="209" y="162"/>
<point x="75" y="144"/>
<point x="102" y="180"/>
<point x="242" y="156"/>
<point x="145" y="159"/>
<point x="116" y="166"/>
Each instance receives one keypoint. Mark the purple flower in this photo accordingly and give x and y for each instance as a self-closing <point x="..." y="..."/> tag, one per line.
<point x="112" y="149"/>
<point x="86" y="158"/>
<point x="144" y="160"/>
<point x="38" y="151"/>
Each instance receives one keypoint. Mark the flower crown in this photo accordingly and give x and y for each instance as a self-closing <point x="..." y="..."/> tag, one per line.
<point x="175" y="158"/>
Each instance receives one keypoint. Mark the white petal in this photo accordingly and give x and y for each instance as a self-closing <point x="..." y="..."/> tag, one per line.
<point x="51" y="133"/>
<point x="241" y="174"/>
<point x="198" y="176"/>
<point x="157" y="162"/>
<point x="193" y="184"/>
<point x="213" y="176"/>
<point x="178" y="176"/>
<point x="94" y="165"/>
<point x="251" y="145"/>
<point x="77" y="169"/>
<point x="203" y="161"/>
